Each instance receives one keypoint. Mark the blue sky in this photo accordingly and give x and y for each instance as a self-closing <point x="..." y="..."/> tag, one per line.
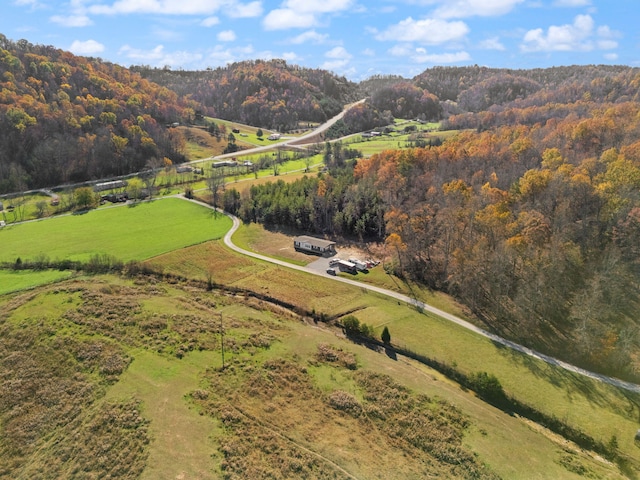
<point x="354" y="38"/>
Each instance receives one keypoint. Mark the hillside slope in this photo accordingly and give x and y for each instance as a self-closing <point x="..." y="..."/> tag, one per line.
<point x="123" y="378"/>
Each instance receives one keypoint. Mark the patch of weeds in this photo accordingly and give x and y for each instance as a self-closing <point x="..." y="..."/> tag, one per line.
<point x="573" y="464"/>
<point x="432" y="426"/>
<point x="337" y="356"/>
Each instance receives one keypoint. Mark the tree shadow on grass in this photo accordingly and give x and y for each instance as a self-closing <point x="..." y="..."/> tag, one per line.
<point x="627" y="403"/>
<point x="391" y="353"/>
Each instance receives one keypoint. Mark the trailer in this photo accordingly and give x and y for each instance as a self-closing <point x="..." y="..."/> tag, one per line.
<point x="360" y="266"/>
<point x="346" y="266"/>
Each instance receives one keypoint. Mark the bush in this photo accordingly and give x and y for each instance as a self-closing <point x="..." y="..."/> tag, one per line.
<point x="488" y="387"/>
<point x="351" y="325"/>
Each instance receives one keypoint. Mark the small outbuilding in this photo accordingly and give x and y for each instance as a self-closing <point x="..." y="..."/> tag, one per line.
<point x="317" y="246"/>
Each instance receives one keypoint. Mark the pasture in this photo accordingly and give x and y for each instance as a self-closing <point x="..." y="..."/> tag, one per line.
<point x="270" y="405"/>
<point x="14" y="281"/>
<point x="600" y="410"/>
<point x="131" y="232"/>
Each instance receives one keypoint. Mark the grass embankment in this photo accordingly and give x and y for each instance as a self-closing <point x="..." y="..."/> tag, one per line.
<point x="294" y="401"/>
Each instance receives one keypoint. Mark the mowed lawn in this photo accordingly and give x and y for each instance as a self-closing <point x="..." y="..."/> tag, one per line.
<point x="128" y="233"/>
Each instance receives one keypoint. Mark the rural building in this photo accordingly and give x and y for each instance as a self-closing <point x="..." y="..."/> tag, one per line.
<point x="100" y="187"/>
<point x="317" y="246"/>
<point x="274" y="136"/>
<point x="225" y="163"/>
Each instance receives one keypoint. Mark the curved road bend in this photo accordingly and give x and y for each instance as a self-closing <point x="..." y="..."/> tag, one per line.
<point x="632" y="387"/>
<point x="298" y="141"/>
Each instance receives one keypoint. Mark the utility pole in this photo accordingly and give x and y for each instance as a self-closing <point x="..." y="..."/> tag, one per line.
<point x="222" y="340"/>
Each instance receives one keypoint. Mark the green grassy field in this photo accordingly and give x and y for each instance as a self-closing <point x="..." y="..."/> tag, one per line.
<point x="135" y="232"/>
<point x="14" y="281"/>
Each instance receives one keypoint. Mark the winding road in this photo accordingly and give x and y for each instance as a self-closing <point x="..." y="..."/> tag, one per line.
<point x="632" y="387"/>
<point x="293" y="141"/>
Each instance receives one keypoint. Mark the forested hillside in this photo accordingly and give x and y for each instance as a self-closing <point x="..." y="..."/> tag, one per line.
<point x="531" y="218"/>
<point x="65" y="118"/>
<point x="269" y="94"/>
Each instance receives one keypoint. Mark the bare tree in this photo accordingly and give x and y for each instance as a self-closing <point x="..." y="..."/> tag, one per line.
<point x="215" y="184"/>
<point x="153" y="165"/>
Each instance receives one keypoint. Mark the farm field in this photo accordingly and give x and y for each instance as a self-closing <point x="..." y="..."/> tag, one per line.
<point x="293" y="396"/>
<point x="131" y="232"/>
<point x="393" y="141"/>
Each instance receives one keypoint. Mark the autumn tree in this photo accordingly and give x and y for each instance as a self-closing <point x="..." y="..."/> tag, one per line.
<point x="85" y="198"/>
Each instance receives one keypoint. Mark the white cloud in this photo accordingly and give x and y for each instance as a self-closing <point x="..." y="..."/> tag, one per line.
<point x="226" y="36"/>
<point x="310" y="36"/>
<point x="579" y="36"/>
<point x="291" y="56"/>
<point x="611" y="56"/>
<point x="281" y="19"/>
<point x="369" y="52"/>
<point x="249" y="10"/>
<point x="572" y="3"/>
<point x="88" y="47"/>
<point x="338" y="57"/>
<point x="427" y="32"/>
<point x="493" y="43"/>
<point x="304" y="13"/>
<point x="210" y="21"/>
<point x="158" y="57"/>
<point x="220" y="56"/>
<point x="166" y="7"/>
<point x="322" y="6"/>
<point x="72" y="20"/>
<point x="473" y="8"/>
<point x="421" y="56"/>
<point x="338" y="52"/>
<point x="34" y="4"/>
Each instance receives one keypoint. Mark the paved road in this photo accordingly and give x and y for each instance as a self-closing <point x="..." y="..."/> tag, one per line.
<point x="429" y="308"/>
<point x="294" y="141"/>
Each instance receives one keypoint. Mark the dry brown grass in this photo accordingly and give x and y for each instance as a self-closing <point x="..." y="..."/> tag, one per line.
<point x="278" y="424"/>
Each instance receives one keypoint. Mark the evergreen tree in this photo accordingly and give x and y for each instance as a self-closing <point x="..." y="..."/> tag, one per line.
<point x="386" y="336"/>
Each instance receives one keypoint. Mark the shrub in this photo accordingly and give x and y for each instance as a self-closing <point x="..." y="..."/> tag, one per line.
<point x="341" y="400"/>
<point x="351" y="325"/>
